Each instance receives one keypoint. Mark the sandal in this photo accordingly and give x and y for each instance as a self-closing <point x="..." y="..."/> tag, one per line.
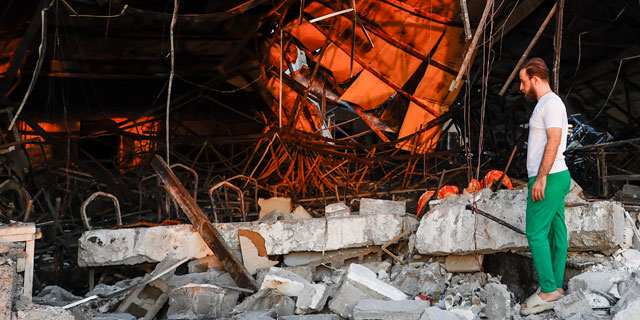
<point x="535" y="304"/>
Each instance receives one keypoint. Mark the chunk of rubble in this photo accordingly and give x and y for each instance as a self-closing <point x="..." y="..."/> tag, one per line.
<point x="427" y="279"/>
<point x="435" y="313"/>
<point x="629" y="292"/>
<point x="201" y="301"/>
<point x="137" y="245"/>
<point x="204" y="264"/>
<point x="498" y="302"/>
<point x="575" y="303"/>
<point x="596" y="280"/>
<point x="370" y="309"/>
<point x="322" y="316"/>
<point x="336" y="210"/>
<point x="358" y="284"/>
<point x="274" y="302"/>
<point x="380" y="206"/>
<point x="630" y="312"/>
<point x="448" y="228"/>
<point x="310" y="296"/>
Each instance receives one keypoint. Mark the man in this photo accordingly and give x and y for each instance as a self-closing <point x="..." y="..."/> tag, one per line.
<point x="549" y="183"/>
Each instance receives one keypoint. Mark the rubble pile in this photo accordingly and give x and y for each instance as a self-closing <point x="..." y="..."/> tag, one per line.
<point x="343" y="266"/>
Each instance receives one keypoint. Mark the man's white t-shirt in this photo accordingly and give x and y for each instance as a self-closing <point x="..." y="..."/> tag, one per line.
<point x="550" y="112"/>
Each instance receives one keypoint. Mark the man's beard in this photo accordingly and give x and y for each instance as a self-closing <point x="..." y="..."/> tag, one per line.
<point x="530" y="95"/>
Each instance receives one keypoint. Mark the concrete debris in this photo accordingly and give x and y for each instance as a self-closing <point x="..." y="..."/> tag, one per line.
<point x="630" y="258"/>
<point x="312" y="298"/>
<point x="435" y="313"/>
<point x="419" y="278"/>
<point x="320" y="263"/>
<point x="389" y="310"/>
<point x="201" y="301"/>
<point x="301" y="213"/>
<point x="205" y="263"/>
<point x="274" y="302"/>
<point x="379" y="206"/>
<point x="448" y="228"/>
<point x="276" y="203"/>
<point x="284" y="281"/>
<point x="336" y="210"/>
<point x="358" y="284"/>
<point x="630" y="312"/>
<point x="321" y="316"/>
<point x="596" y="280"/>
<point x="629" y="292"/>
<point x="145" y="301"/>
<point x="254" y="315"/>
<point x="572" y="304"/>
<point x="597" y="301"/>
<point x="498" y="302"/>
<point x="137" y="245"/>
<point x="214" y="276"/>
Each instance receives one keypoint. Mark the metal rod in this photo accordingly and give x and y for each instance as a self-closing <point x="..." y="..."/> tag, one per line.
<point x="327" y="16"/>
<point x="527" y="51"/>
<point x="493" y="218"/>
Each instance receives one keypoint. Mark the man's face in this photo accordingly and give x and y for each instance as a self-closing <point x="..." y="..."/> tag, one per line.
<point x="526" y="86"/>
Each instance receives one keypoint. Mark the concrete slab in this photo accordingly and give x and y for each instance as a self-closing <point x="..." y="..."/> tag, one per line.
<point x="572" y="304"/>
<point x="498" y="302"/>
<point x="137" y="245"/>
<point x="447" y="228"/>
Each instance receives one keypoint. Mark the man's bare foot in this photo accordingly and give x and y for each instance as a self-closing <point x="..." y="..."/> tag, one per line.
<point x="548" y="296"/>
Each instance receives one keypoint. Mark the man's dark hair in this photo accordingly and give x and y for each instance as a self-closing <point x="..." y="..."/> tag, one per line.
<point x="536" y="67"/>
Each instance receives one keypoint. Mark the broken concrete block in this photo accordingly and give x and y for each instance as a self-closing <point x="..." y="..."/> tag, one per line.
<point x="254" y="315"/>
<point x="204" y="264"/>
<point x="213" y="276"/>
<point x="629" y="292"/>
<point x="7" y="282"/>
<point x="596" y="280"/>
<point x="137" y="245"/>
<point x="284" y="281"/>
<point x="282" y="237"/>
<point x="464" y="263"/>
<point x="303" y="271"/>
<point x="254" y="254"/>
<point x="201" y="301"/>
<point x="322" y="316"/>
<point x="312" y="298"/>
<point x="278" y="304"/>
<point x="435" y="313"/>
<point x="276" y="203"/>
<point x="113" y="316"/>
<point x="464" y="314"/>
<point x="336" y="210"/>
<point x="361" y="283"/>
<point x="379" y="206"/>
<point x="316" y="262"/>
<point x="630" y="258"/>
<point x="630" y="312"/>
<point x="369" y="309"/>
<point x="447" y="227"/>
<point x="301" y="213"/>
<point x="425" y="279"/>
<point x="104" y="247"/>
<point x="597" y="301"/>
<point x="498" y="301"/>
<point x="572" y="304"/>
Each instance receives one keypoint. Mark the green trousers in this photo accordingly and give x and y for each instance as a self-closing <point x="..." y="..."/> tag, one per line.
<point x="546" y="231"/>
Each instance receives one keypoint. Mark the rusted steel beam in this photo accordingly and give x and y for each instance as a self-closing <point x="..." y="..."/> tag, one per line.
<point x="199" y="220"/>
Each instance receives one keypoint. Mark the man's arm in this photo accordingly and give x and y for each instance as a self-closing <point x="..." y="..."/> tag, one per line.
<point x="554" y="136"/>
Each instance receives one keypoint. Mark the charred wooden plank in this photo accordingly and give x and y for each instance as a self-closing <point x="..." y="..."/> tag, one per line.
<point x="199" y="220"/>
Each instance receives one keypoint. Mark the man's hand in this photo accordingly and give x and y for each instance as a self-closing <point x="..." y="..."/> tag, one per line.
<point x="537" y="190"/>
